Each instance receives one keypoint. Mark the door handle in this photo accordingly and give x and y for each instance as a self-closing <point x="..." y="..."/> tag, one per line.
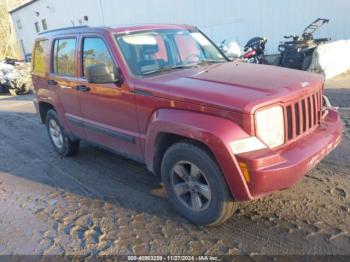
<point x="52" y="82"/>
<point x="83" y="88"/>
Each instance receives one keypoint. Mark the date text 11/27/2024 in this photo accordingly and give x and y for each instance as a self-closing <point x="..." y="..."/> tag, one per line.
<point x="173" y="258"/>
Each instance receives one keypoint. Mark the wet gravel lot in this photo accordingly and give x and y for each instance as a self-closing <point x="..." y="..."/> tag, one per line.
<point x="98" y="203"/>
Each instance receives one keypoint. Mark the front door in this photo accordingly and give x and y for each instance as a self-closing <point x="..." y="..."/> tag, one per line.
<point x="108" y="110"/>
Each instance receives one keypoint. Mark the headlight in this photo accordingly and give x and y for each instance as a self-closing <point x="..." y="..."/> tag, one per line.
<point x="247" y="144"/>
<point x="270" y="126"/>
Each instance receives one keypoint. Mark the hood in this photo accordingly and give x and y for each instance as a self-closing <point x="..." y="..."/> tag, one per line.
<point x="237" y="86"/>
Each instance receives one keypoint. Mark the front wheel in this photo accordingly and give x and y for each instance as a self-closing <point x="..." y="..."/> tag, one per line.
<point x="60" y="141"/>
<point x="195" y="185"/>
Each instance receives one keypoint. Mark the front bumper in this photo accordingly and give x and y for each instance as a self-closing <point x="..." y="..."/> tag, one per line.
<point x="275" y="170"/>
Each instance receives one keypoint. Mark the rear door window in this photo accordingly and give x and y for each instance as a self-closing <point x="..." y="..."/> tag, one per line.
<point x="64" y="57"/>
<point x="95" y="51"/>
<point x="41" y="51"/>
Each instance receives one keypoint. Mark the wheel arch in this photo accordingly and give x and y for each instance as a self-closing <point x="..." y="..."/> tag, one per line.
<point x="169" y="126"/>
<point x="165" y="140"/>
<point x="44" y="107"/>
<point x="48" y="99"/>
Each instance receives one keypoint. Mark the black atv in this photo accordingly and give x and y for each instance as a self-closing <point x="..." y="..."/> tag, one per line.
<point x="298" y="52"/>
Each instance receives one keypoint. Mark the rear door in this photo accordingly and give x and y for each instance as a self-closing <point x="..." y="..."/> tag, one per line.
<point x="63" y="78"/>
<point x="108" y="110"/>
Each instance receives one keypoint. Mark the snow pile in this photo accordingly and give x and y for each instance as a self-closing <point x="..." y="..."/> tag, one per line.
<point x="8" y="73"/>
<point x="331" y="59"/>
<point x="15" y="78"/>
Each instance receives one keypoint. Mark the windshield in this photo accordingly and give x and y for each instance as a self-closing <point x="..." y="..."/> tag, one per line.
<point x="156" y="51"/>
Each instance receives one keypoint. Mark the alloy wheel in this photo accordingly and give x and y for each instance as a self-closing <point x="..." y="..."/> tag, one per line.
<point x="56" y="133"/>
<point x="191" y="186"/>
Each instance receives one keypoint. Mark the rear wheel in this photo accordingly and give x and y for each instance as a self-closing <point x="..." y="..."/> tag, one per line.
<point x="60" y="141"/>
<point x="195" y="185"/>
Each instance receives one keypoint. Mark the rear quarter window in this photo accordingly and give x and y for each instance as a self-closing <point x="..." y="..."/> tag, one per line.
<point x="41" y="54"/>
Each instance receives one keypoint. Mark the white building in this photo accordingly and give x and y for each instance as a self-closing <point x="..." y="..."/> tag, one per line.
<point x="237" y="20"/>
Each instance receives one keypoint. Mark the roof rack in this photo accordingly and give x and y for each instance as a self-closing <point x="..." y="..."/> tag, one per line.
<point x="62" y="29"/>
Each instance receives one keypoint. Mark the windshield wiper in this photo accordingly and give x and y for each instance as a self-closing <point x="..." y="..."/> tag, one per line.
<point x="182" y="66"/>
<point x="167" y="68"/>
<point x="211" y="61"/>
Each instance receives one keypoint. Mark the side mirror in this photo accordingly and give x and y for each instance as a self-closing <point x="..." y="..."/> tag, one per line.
<point x="100" y="74"/>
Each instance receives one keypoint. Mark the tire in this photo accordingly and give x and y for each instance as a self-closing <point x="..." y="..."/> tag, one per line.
<point x="276" y="61"/>
<point x="60" y="141"/>
<point x="281" y="61"/>
<point x="217" y="202"/>
<point x="306" y="62"/>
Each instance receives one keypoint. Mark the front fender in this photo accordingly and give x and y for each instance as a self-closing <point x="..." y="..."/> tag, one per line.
<point x="212" y="131"/>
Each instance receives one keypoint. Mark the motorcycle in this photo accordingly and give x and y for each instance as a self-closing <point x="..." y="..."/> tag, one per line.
<point x="298" y="52"/>
<point x="254" y="50"/>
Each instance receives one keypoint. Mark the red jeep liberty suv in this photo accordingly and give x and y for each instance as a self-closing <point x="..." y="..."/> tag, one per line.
<point x="216" y="131"/>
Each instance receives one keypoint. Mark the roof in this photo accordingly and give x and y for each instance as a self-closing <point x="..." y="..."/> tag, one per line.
<point x="142" y="27"/>
<point x="21" y="6"/>
<point x="117" y="29"/>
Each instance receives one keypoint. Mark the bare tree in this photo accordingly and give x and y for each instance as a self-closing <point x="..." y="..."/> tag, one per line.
<point x="8" y="41"/>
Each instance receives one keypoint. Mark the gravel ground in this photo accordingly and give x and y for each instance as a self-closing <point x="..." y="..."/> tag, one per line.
<point x="98" y="203"/>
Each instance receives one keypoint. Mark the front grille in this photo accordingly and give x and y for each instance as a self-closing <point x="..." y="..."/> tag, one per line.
<point x="303" y="116"/>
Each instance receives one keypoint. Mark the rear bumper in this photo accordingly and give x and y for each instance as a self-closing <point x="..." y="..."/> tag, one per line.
<point x="276" y="170"/>
<point x="36" y="105"/>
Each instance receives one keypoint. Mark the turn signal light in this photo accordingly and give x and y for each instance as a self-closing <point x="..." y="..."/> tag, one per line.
<point x="245" y="171"/>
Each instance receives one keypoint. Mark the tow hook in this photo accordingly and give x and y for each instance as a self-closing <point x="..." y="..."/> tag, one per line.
<point x="326" y="105"/>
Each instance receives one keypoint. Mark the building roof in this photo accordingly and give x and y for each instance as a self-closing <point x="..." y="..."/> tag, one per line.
<point x="21" y="6"/>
